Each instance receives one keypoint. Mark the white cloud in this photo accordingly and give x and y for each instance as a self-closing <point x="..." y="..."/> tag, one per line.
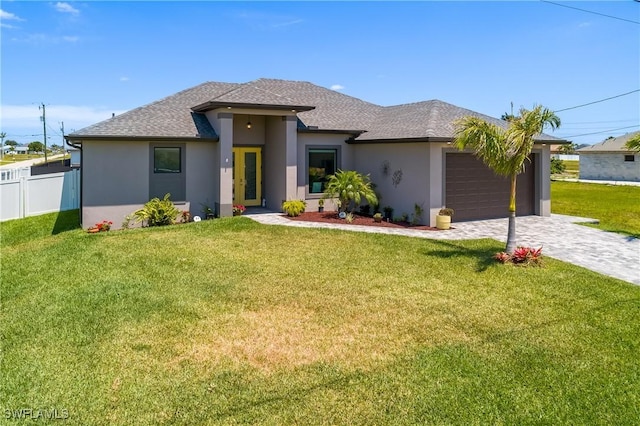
<point x="66" y="8"/>
<point x="124" y="78"/>
<point x="28" y="116"/>
<point x="287" y="23"/>
<point x="584" y="24"/>
<point x="267" y="21"/>
<point x="337" y="87"/>
<point x="40" y="38"/>
<point x="9" y="16"/>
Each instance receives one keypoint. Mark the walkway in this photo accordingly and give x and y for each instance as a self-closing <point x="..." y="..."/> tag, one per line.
<point x="605" y="252"/>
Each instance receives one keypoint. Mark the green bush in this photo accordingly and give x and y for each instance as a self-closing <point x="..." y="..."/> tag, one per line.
<point x="557" y="166"/>
<point x="350" y="187"/>
<point x="157" y="212"/>
<point x="293" y="208"/>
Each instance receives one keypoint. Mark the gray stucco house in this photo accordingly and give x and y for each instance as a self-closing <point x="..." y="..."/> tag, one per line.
<point x="265" y="141"/>
<point x="610" y="160"/>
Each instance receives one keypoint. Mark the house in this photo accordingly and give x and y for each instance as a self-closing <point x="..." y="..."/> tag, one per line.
<point x="265" y="141"/>
<point x="610" y="160"/>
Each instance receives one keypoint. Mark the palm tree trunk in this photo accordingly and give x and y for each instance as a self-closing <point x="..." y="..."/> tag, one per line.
<point x="511" y="233"/>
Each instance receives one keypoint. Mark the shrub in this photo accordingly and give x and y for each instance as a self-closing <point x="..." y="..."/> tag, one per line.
<point x="157" y="212"/>
<point x="350" y="187"/>
<point x="294" y="208"/>
<point x="349" y="217"/>
<point x="521" y="256"/>
<point x="557" y="166"/>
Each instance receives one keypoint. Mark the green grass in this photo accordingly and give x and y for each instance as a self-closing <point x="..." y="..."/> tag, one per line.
<point x="229" y="321"/>
<point x="617" y="207"/>
<point x="572" y="170"/>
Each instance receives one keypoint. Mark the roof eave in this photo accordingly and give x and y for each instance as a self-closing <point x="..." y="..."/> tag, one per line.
<point x="79" y="138"/>
<point x="211" y="105"/>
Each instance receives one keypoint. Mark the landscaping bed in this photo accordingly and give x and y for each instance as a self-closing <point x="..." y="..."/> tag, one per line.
<point x="360" y="220"/>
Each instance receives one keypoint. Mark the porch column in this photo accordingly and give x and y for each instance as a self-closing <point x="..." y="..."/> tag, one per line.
<point x="225" y="155"/>
<point x="291" y="154"/>
<point x="436" y="180"/>
<point x="543" y="177"/>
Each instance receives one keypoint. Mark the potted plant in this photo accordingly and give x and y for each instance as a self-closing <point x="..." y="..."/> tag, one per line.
<point x="377" y="217"/>
<point x="238" y="209"/>
<point x="321" y="205"/>
<point x="443" y="219"/>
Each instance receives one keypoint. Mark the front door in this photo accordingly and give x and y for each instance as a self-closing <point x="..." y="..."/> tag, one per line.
<point x="247" y="176"/>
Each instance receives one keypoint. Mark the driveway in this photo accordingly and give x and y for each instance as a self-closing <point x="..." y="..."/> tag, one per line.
<point x="608" y="253"/>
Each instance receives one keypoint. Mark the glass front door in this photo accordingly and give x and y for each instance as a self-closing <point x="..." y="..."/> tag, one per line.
<point x="247" y="176"/>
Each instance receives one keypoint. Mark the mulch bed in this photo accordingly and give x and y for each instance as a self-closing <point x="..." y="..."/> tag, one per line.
<point x="358" y="220"/>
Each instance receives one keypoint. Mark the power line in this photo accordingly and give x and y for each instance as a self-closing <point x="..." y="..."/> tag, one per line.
<point x="598" y="101"/>
<point x="591" y="11"/>
<point x="604" y="131"/>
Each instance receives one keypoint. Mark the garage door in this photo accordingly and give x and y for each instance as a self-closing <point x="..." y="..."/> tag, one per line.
<point x="475" y="192"/>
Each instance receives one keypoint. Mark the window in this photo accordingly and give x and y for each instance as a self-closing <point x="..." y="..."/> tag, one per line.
<point x="321" y="164"/>
<point x="166" y="160"/>
<point x="629" y="158"/>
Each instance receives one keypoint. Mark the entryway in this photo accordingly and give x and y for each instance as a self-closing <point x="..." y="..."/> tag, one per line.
<point x="247" y="176"/>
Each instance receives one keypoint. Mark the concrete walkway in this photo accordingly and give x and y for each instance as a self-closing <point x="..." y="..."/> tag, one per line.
<point x="605" y="252"/>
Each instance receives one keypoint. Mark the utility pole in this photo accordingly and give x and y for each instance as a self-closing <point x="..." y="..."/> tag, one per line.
<point x="44" y="128"/>
<point x="2" y="136"/>
<point x="64" y="150"/>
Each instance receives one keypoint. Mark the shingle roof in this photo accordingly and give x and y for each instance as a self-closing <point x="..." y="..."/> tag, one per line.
<point x="610" y="145"/>
<point x="174" y="116"/>
<point x="168" y="117"/>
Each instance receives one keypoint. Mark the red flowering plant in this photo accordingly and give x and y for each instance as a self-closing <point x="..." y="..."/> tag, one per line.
<point x="104" y="226"/>
<point x="238" y="209"/>
<point x="521" y="256"/>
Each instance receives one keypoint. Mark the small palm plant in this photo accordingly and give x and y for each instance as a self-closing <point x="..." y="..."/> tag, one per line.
<point x="350" y="188"/>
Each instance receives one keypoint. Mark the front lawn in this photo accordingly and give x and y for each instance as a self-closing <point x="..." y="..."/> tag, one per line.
<point x="617" y="207"/>
<point x="229" y="321"/>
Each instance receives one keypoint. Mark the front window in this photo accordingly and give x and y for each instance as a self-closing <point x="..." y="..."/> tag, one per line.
<point x="322" y="163"/>
<point x="629" y="158"/>
<point x="166" y="160"/>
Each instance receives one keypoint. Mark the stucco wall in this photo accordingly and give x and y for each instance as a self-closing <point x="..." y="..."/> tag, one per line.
<point x="274" y="164"/>
<point x="609" y="166"/>
<point x="400" y="172"/>
<point x="115" y="180"/>
<point x="201" y="176"/>
<point x="109" y="195"/>
<point x="253" y="136"/>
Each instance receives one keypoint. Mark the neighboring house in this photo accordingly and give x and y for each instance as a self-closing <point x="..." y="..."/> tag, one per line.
<point x="610" y="160"/>
<point x="16" y="150"/>
<point x="266" y="141"/>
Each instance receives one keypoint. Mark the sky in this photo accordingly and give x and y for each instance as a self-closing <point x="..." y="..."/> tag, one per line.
<point x="88" y="60"/>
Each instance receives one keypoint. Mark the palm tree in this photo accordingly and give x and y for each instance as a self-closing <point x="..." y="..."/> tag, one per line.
<point x="505" y="150"/>
<point x="350" y="187"/>
<point x="634" y="143"/>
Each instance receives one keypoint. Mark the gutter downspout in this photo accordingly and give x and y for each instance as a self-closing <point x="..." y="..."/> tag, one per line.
<point x="79" y="147"/>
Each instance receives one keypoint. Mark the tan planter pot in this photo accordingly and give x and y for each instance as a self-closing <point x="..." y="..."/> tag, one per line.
<point x="443" y="222"/>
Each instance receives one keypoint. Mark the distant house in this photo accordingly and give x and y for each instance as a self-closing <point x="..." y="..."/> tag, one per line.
<point x="265" y="141"/>
<point x="17" y="149"/>
<point x="610" y="160"/>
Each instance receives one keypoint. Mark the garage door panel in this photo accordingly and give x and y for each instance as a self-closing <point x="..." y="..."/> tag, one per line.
<point x="475" y="192"/>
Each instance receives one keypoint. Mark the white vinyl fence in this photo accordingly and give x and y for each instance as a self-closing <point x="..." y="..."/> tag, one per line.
<point x="24" y="196"/>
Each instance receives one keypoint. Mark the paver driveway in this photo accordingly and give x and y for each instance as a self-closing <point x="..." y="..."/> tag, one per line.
<point x="605" y="252"/>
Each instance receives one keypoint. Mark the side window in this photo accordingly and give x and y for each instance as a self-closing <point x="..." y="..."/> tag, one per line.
<point x="167" y="172"/>
<point x="629" y="158"/>
<point x="320" y="164"/>
<point x="166" y="160"/>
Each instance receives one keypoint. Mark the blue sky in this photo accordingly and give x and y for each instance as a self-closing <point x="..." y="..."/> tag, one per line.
<point x="87" y="60"/>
